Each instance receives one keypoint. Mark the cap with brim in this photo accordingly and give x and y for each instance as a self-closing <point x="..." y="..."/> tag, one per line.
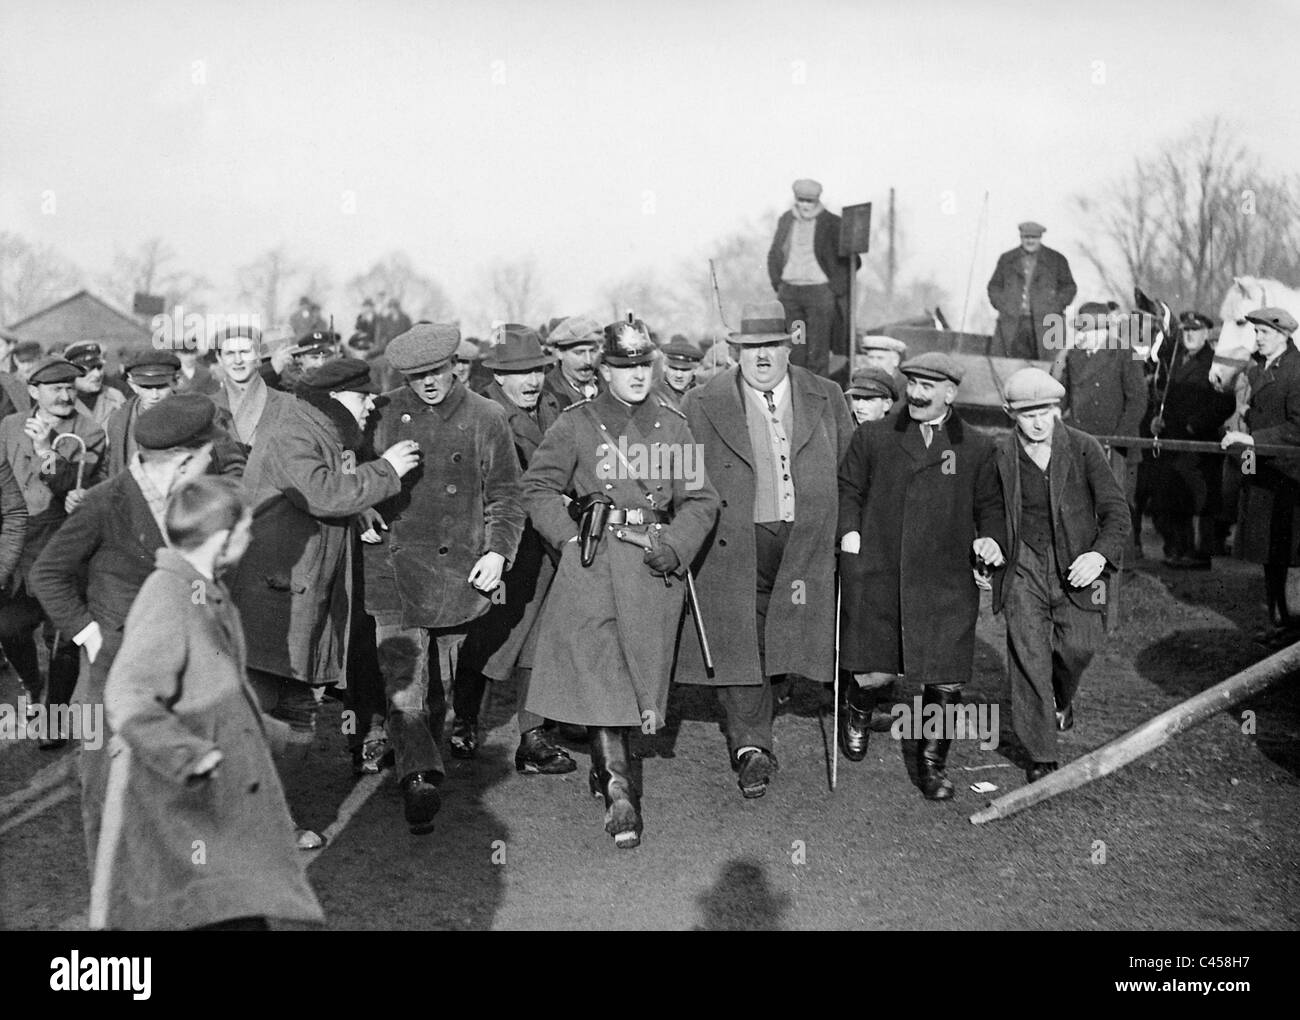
<point x="344" y="375"/>
<point x="27" y="350"/>
<point x="627" y="344"/>
<point x="1031" y="229"/>
<point x="425" y="346"/>
<point x="576" y="329"/>
<point x="55" y="370"/>
<point x="1278" y="318"/>
<point x="932" y="365"/>
<point x="761" y="323"/>
<point x="681" y="353"/>
<point x="872" y="382"/>
<point x="1091" y="315"/>
<point x="1029" y="388"/>
<point x="879" y="342"/>
<point x="468" y="351"/>
<point x="807" y="189"/>
<point x="519" y="351"/>
<point x="87" y="353"/>
<point x="184" y="419"/>
<point x="319" y="342"/>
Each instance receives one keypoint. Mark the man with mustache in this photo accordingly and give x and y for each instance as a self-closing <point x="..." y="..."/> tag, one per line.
<point x="46" y="470"/>
<point x="1067" y="525"/>
<point x="452" y="530"/>
<point x="504" y="639"/>
<point x="574" y="378"/>
<point x="772" y="436"/>
<point x="919" y="506"/>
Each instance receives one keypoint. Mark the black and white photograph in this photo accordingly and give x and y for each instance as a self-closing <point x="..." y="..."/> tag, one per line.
<point x="685" y="466"/>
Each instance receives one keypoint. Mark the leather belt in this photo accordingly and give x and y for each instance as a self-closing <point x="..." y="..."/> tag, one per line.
<point x="636" y="515"/>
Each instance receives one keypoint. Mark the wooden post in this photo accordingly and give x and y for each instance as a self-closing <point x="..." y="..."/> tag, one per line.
<point x="1147" y="737"/>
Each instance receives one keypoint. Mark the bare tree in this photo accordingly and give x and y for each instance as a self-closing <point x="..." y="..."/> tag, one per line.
<point x="1187" y="219"/>
<point x="32" y="277"/>
<point x="395" y="276"/>
<point x="265" y="281"/>
<point x="150" y="270"/>
<point x="511" y="291"/>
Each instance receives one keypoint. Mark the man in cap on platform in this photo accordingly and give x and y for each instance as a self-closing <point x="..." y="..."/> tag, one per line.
<point x="92" y="568"/>
<point x="772" y="436"/>
<point x="436" y="551"/>
<point x="55" y="475"/>
<point x="294" y="585"/>
<point x="503" y="641"/>
<point x="1067" y="526"/>
<point x="919" y="506"/>
<point x="810" y="277"/>
<point x="872" y="392"/>
<point x="93" y="397"/>
<point x="1030" y="289"/>
<point x="681" y="359"/>
<point x="576" y="342"/>
<point x="607" y="630"/>
<point x="1268" y="526"/>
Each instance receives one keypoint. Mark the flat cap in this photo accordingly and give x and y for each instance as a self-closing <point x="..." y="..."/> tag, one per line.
<point x="55" y="370"/>
<point x="576" y="329"/>
<point x="85" y="352"/>
<point x="1092" y="315"/>
<point x="807" y="188"/>
<point x="1031" y="387"/>
<point x="932" y="365"/>
<point x="183" y="419"/>
<point x="468" y="350"/>
<point x="1031" y="229"/>
<point x="681" y="353"/>
<point x="873" y="382"/>
<point x="1279" y="318"/>
<point x="880" y="342"/>
<point x="147" y="365"/>
<point x="341" y="375"/>
<point x="27" y="350"/>
<point x="424" y="346"/>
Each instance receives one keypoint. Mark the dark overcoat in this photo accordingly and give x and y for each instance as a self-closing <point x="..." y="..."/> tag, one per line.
<point x="558" y="387"/>
<point x="189" y="854"/>
<point x="1089" y="511"/>
<point x="1189" y="483"/>
<point x="1269" y="524"/>
<point x="294" y="585"/>
<point x="606" y="637"/>
<point x="1050" y="290"/>
<point x="909" y="597"/>
<point x="228" y="455"/>
<point x="800" y="631"/>
<point x="460" y="503"/>
<point x="1105" y="391"/>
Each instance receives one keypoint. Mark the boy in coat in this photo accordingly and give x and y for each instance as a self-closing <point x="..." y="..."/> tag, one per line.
<point x="196" y="831"/>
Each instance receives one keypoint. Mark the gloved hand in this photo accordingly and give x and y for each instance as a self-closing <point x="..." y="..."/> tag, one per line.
<point x="661" y="559"/>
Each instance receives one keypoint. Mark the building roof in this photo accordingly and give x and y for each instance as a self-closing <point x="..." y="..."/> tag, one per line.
<point x="82" y="316"/>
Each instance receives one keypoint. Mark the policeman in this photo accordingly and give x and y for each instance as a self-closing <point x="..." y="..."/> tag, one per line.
<point x="643" y="508"/>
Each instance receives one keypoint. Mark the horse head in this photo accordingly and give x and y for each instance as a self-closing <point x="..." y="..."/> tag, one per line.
<point x="1236" y="336"/>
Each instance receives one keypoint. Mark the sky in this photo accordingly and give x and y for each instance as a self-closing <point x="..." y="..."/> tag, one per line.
<point x="603" y="138"/>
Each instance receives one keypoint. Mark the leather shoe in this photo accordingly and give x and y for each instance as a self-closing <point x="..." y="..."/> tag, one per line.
<point x="537" y="755"/>
<point x="1038" y="769"/>
<point x="464" y="738"/>
<point x="422" y="799"/>
<point x="755" y="768"/>
<point x="855" y="721"/>
<point x="1065" y="719"/>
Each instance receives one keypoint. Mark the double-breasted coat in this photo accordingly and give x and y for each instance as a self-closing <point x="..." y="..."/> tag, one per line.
<point x="294" y="585"/>
<point x="909" y="598"/>
<point x="181" y="854"/>
<point x="607" y="632"/>
<point x="1051" y="288"/>
<point x="800" y="630"/>
<point x="1269" y="523"/>
<point x="460" y="503"/>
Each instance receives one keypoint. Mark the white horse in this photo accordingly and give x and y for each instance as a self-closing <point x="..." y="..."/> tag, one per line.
<point x="1237" y="336"/>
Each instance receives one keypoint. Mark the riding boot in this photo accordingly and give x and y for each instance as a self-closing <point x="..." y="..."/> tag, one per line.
<point x="933" y="755"/>
<point x="611" y="779"/>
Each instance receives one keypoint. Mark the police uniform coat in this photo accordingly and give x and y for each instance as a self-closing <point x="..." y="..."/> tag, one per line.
<point x="801" y="632"/>
<point x="178" y="690"/>
<point x="294" y="585"/>
<point x="1269" y="522"/>
<point x="909" y="598"/>
<point x="607" y="632"/>
<point x="460" y="503"/>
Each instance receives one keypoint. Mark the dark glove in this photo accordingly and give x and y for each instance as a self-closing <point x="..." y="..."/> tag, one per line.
<point x="661" y="559"/>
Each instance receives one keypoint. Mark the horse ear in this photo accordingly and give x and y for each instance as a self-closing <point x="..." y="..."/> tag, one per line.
<point x="1241" y="286"/>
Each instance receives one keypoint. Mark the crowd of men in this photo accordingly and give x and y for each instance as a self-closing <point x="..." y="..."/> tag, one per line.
<point x="597" y="515"/>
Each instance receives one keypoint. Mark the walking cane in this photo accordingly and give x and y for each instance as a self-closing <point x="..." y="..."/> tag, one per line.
<point x="81" y="470"/>
<point x="835" y="693"/>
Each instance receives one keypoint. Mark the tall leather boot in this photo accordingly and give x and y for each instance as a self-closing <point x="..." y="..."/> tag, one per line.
<point x="611" y="779"/>
<point x="935" y="784"/>
<point x="855" y="718"/>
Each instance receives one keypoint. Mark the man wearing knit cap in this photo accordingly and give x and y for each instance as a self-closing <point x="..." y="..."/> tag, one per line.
<point x="575" y="341"/>
<point x="294" y="586"/>
<point x="811" y="278"/>
<point x="1067" y="525"/>
<point x="55" y="474"/>
<point x="1030" y="288"/>
<point x="92" y="568"/>
<point x="93" y="397"/>
<point x="436" y="551"/>
<point x="919" y="506"/>
<point x="871" y="394"/>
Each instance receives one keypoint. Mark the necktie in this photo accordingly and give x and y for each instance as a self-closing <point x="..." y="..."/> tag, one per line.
<point x="771" y="404"/>
<point x="927" y="433"/>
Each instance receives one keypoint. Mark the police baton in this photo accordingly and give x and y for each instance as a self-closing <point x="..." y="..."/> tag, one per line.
<point x="692" y="603"/>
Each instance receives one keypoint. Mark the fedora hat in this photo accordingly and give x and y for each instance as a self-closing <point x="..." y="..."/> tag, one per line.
<point x="520" y="350"/>
<point x="761" y="322"/>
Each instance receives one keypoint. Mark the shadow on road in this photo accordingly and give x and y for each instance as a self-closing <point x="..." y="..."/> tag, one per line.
<point x="742" y="900"/>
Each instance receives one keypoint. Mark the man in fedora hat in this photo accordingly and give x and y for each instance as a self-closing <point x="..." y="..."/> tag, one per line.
<point x="503" y="640"/>
<point x="576" y="341"/>
<point x="811" y="277"/>
<point x="919" y="505"/>
<point x="1030" y="288"/>
<point x="1067" y="525"/>
<point x="605" y="644"/>
<point x="772" y="435"/>
<point x="436" y="551"/>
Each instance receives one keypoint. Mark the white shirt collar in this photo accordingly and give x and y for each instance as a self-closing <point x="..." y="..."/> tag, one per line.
<point x="778" y="392"/>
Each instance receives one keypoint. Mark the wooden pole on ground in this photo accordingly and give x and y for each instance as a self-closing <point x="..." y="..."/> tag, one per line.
<point x="1147" y="737"/>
